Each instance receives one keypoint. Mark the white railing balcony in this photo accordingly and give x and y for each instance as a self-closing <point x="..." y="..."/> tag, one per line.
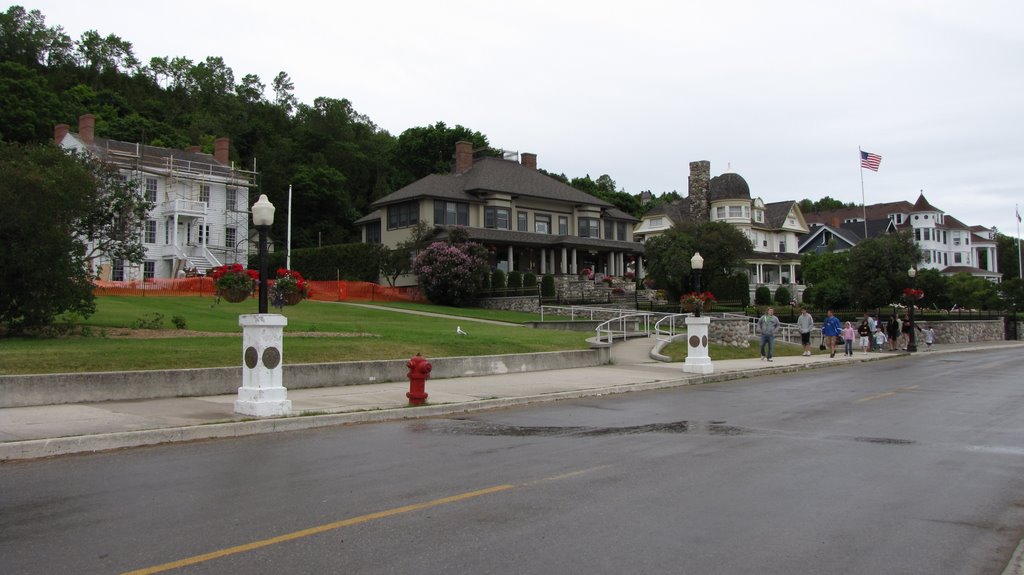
<point x="184" y="208"/>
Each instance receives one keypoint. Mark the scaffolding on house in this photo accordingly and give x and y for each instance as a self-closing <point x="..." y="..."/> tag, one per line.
<point x="186" y="195"/>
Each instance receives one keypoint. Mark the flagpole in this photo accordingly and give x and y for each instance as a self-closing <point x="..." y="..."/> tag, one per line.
<point x="288" y="262"/>
<point x="1020" y="268"/>
<point x="863" y="204"/>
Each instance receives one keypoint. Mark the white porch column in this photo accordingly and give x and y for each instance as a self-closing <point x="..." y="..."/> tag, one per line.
<point x="262" y="394"/>
<point x="543" y="260"/>
<point x="565" y="262"/>
<point x="511" y="264"/>
<point x="611" y="264"/>
<point x="575" y="264"/>
<point x="621" y="257"/>
<point x="639" y="268"/>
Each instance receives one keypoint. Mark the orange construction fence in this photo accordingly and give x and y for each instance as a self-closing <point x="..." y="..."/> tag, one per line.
<point x="203" y="286"/>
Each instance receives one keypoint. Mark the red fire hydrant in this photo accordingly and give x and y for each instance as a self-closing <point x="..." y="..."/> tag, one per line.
<point x="419" y="371"/>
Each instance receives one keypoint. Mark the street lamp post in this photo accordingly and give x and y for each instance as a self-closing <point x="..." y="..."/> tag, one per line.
<point x="263" y="393"/>
<point x="911" y="340"/>
<point x="263" y="218"/>
<point x="697" y="328"/>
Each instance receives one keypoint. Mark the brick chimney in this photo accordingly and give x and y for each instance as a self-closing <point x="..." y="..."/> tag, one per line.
<point x="59" y="131"/>
<point x="835" y="221"/>
<point x="463" y="157"/>
<point x="699" y="184"/>
<point x="529" y="160"/>
<point x="220" y="150"/>
<point x="193" y="149"/>
<point x="87" y="128"/>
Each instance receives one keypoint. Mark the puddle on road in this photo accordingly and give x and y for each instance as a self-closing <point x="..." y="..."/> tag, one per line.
<point x="472" y="427"/>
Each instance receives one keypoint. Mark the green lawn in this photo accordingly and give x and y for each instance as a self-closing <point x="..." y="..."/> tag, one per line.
<point x="677" y="351"/>
<point x="316" y="332"/>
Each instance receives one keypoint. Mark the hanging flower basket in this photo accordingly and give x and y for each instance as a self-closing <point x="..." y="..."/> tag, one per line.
<point x="233" y="295"/>
<point x="291" y="298"/>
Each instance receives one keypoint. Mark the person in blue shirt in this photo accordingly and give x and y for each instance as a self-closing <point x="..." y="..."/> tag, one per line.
<point x="831" y="329"/>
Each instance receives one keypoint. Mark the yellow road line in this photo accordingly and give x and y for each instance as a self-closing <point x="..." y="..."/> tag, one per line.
<point x="315" y="530"/>
<point x="886" y="394"/>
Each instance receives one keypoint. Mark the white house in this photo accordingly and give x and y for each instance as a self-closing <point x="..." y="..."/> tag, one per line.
<point x="200" y="217"/>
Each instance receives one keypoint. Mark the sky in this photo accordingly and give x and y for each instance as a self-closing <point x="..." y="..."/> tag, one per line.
<point x="783" y="93"/>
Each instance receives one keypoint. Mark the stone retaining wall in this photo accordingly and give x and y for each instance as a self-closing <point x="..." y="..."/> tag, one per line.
<point x="731" y="332"/>
<point x="963" y="331"/>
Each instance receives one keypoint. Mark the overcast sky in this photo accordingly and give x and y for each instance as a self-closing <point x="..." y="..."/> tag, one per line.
<point x="782" y="93"/>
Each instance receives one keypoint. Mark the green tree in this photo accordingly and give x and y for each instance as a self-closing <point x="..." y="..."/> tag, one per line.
<point x="935" y="287"/>
<point x="27" y="106"/>
<point x="722" y="246"/>
<point x="397" y="261"/>
<point x="284" y="96"/>
<point x="828" y="274"/>
<point x="1012" y="291"/>
<point x="972" y="292"/>
<point x="1008" y="259"/>
<point x="878" y="269"/>
<point x="55" y="207"/>
<point x="426" y="150"/>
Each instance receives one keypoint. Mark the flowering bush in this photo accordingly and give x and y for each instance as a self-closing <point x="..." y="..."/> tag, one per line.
<point x="607" y="280"/>
<point x="911" y="294"/>
<point x="587" y="273"/>
<point x="629" y="275"/>
<point x="450" y="273"/>
<point x="649" y="283"/>
<point x="233" y="277"/>
<point x="289" y="288"/>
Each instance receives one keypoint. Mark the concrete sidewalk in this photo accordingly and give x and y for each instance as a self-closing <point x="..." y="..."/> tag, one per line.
<point x="42" y="431"/>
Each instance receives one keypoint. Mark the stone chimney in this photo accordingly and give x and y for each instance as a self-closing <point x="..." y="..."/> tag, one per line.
<point x="529" y="160"/>
<point x="699" y="185"/>
<point x="220" y="150"/>
<point x="463" y="157"/>
<point x="59" y="131"/>
<point x="87" y="128"/>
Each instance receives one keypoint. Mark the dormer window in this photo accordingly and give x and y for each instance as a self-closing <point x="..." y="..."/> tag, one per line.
<point x="759" y="216"/>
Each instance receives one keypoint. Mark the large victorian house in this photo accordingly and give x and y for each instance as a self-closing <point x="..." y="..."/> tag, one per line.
<point x="773" y="228"/>
<point x="946" y="243"/>
<point x="529" y="222"/>
<point x="201" y="203"/>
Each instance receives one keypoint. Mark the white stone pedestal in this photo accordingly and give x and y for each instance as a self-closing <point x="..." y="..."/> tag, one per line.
<point x="262" y="393"/>
<point x="697" y="358"/>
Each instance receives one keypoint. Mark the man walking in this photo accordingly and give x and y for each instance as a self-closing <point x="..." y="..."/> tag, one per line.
<point x="831" y="329"/>
<point x="767" y="326"/>
<point x="805" y="323"/>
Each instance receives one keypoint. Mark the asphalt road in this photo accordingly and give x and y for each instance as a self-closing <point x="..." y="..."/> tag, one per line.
<point x="905" y="466"/>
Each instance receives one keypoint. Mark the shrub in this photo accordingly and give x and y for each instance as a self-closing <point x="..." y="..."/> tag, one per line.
<point x="450" y="274"/>
<point x="515" y="279"/>
<point x="763" y="296"/>
<point x="150" y="321"/>
<point x="354" y="262"/>
<point x="547" y="286"/>
<point x="782" y="296"/>
<point x="179" y="322"/>
<point x="530" y="280"/>
<point x="497" y="279"/>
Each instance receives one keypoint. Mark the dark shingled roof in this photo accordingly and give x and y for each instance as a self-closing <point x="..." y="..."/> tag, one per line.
<point x="484" y="235"/>
<point x="490" y="175"/>
<point x="775" y="213"/>
<point x="875" y="212"/>
<point x="922" y="205"/>
<point x="728" y="186"/>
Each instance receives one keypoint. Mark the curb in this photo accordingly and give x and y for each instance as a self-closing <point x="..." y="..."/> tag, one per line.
<point x="41" y="448"/>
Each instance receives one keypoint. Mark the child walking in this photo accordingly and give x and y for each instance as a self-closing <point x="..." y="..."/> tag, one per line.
<point x="880" y="339"/>
<point x="849" y="334"/>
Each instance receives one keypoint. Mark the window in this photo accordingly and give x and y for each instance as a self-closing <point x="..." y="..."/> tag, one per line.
<point x="720" y="213"/>
<point x="231" y="200"/>
<point x="609" y="230"/>
<point x="229" y="237"/>
<point x="927" y="235"/>
<point x="204" y="193"/>
<point x="496" y="218"/>
<point x="150" y="232"/>
<point x="403" y="215"/>
<point x="758" y="215"/>
<point x="542" y="223"/>
<point x="148" y="270"/>
<point x="917" y="234"/>
<point x="522" y="222"/>
<point x="373" y="233"/>
<point x="657" y="222"/>
<point x="620" y="231"/>
<point x="589" y="227"/>
<point x="204" y="235"/>
<point x="782" y="246"/>
<point x="735" y="211"/>
<point x="956" y="239"/>
<point x="451" y="213"/>
<point x="151" y="190"/>
<point x="927" y="256"/>
<point x="563" y="225"/>
<point x="958" y="258"/>
<point x="117" y="271"/>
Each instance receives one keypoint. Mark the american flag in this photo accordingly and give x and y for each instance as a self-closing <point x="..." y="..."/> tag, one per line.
<point x="870" y="161"/>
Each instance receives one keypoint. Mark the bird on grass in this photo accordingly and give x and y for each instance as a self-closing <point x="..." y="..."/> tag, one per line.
<point x="460" y="331"/>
